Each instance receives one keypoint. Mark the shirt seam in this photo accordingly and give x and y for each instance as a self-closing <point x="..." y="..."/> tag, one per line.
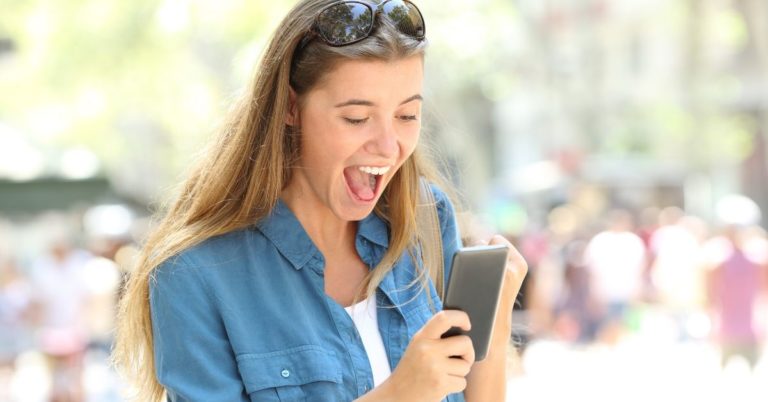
<point x="206" y="287"/>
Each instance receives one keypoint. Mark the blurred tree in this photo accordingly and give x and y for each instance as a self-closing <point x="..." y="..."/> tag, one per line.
<point x="754" y="69"/>
<point x="143" y="83"/>
<point x="140" y="82"/>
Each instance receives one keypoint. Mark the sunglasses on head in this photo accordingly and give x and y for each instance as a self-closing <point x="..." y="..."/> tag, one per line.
<point x="347" y="22"/>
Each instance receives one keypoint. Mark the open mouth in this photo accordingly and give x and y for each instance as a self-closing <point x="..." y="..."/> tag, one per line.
<point x="364" y="182"/>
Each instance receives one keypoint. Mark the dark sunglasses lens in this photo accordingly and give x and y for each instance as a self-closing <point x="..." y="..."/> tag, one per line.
<point x="345" y="23"/>
<point x="406" y="17"/>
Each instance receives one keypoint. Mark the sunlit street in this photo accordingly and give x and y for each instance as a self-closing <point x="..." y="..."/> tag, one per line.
<point x="162" y="161"/>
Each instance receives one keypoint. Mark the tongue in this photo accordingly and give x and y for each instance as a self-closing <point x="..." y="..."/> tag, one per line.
<point x="361" y="184"/>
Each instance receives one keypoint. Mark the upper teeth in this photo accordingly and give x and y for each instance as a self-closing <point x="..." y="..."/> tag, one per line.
<point x="374" y="170"/>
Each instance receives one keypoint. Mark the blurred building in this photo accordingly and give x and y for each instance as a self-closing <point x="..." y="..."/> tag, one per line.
<point x="650" y="102"/>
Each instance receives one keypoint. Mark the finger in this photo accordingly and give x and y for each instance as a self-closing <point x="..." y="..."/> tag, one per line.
<point x="515" y="260"/>
<point x="457" y="367"/>
<point x="459" y="346"/>
<point x="499" y="239"/>
<point x="456" y="384"/>
<point x="443" y="321"/>
<point x="516" y="269"/>
<point x="480" y="242"/>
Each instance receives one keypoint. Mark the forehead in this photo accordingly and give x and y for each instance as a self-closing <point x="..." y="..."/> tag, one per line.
<point x="373" y="79"/>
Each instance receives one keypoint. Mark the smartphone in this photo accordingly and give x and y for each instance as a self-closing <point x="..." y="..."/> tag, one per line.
<point x="474" y="286"/>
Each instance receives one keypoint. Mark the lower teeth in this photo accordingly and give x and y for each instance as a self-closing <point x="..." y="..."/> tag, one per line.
<point x="373" y="182"/>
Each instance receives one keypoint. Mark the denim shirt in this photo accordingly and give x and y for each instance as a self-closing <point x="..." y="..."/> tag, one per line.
<point x="244" y="316"/>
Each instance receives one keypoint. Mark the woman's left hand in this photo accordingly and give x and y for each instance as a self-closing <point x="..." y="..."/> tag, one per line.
<point x="514" y="274"/>
<point x="487" y="381"/>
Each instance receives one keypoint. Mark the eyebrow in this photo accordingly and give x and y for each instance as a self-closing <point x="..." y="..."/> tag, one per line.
<point x="362" y="102"/>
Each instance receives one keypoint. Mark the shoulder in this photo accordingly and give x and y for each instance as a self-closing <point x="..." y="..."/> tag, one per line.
<point x="441" y="197"/>
<point x="449" y="225"/>
<point x="229" y="250"/>
<point x="446" y="215"/>
<point x="216" y="249"/>
<point x="189" y="278"/>
<point x="445" y="209"/>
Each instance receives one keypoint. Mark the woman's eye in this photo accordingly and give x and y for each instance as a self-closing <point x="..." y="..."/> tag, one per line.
<point x="355" y="122"/>
<point x="408" y="117"/>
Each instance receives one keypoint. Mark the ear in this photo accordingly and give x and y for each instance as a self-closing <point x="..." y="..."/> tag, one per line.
<point x="292" y="117"/>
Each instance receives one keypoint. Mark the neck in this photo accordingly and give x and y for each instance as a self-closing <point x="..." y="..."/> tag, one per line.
<point x="330" y="234"/>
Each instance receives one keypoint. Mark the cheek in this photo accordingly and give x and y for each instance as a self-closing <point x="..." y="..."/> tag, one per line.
<point x="327" y="149"/>
<point x="408" y="142"/>
<point x="316" y="142"/>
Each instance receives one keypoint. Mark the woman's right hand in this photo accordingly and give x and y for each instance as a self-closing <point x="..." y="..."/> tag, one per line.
<point x="433" y="367"/>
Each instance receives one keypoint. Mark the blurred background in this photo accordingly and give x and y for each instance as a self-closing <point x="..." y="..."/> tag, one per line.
<point x="621" y="145"/>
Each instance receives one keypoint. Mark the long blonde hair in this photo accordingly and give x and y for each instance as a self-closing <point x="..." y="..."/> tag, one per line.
<point x="239" y="179"/>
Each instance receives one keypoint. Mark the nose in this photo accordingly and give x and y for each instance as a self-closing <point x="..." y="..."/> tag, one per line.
<point x="384" y="142"/>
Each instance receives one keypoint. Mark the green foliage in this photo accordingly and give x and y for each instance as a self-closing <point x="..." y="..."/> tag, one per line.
<point x="146" y="81"/>
<point x="97" y="73"/>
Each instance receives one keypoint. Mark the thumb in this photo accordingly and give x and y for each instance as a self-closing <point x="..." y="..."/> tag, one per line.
<point x="480" y="242"/>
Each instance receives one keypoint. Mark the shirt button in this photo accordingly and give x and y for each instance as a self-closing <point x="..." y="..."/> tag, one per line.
<point x="285" y="373"/>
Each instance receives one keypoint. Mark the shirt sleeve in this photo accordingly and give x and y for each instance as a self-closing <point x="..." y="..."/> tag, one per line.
<point x="193" y="357"/>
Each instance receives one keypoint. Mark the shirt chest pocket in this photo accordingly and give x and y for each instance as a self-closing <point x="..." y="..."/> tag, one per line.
<point x="304" y="373"/>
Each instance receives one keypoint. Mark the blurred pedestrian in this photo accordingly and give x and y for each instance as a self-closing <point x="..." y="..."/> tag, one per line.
<point x="736" y="283"/>
<point x="616" y="259"/>
<point x="15" y="300"/>
<point x="61" y="295"/>
<point x="677" y="275"/>
<point x="578" y="313"/>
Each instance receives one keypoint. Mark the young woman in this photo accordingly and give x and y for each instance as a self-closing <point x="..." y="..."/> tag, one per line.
<point x="287" y="269"/>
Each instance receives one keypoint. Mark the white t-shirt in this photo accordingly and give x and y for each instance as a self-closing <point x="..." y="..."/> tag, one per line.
<point x="616" y="261"/>
<point x="365" y="318"/>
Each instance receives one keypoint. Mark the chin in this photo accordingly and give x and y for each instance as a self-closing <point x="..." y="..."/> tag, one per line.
<point x="351" y="212"/>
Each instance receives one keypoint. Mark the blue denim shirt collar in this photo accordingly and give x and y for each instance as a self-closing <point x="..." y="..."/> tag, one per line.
<point x="284" y="230"/>
<point x="373" y="228"/>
